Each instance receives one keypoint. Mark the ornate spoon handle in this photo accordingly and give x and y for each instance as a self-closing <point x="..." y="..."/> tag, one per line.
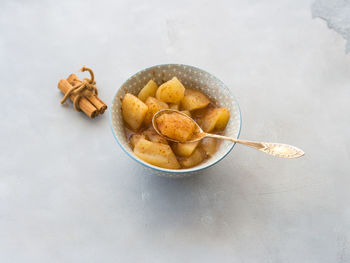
<point x="275" y="149"/>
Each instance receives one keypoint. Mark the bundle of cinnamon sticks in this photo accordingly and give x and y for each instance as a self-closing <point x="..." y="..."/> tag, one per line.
<point x="89" y="103"/>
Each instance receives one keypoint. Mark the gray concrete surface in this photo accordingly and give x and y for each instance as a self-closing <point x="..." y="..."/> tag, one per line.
<point x="69" y="194"/>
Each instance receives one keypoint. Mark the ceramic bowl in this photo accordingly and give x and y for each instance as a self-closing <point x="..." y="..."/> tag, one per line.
<point x="191" y="77"/>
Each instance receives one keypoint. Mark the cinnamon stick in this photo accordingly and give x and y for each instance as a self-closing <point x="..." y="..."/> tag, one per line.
<point x="99" y="104"/>
<point x="85" y="105"/>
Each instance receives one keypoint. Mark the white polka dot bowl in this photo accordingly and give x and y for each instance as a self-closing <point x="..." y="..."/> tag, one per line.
<point x="191" y="77"/>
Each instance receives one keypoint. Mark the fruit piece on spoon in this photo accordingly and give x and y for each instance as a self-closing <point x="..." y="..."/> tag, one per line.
<point x="175" y="126"/>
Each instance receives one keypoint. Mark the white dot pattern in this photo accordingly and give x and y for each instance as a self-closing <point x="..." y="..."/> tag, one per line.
<point x="191" y="77"/>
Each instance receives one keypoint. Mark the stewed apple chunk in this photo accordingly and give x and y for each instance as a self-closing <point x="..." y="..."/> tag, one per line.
<point x="194" y="99"/>
<point x="209" y="146"/>
<point x="153" y="136"/>
<point x="134" y="111"/>
<point x="155" y="153"/>
<point x="195" y="158"/>
<point x="215" y="119"/>
<point x="184" y="149"/>
<point x="187" y="112"/>
<point x="174" y="106"/>
<point x="135" y="138"/>
<point x="171" y="91"/>
<point x="149" y="90"/>
<point x="154" y="106"/>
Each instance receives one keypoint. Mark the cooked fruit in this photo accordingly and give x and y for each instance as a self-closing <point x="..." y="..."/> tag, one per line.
<point x="184" y="149"/>
<point x="209" y="146"/>
<point x="153" y="136"/>
<point x="216" y="119"/>
<point x="174" y="106"/>
<point x="158" y="154"/>
<point x="194" y="99"/>
<point x="135" y="138"/>
<point x="188" y="113"/>
<point x="149" y="90"/>
<point x="171" y="91"/>
<point x="175" y="126"/>
<point x="195" y="158"/>
<point x="154" y="106"/>
<point x="134" y="111"/>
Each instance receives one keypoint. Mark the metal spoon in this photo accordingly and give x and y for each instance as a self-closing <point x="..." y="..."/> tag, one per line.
<point x="275" y="149"/>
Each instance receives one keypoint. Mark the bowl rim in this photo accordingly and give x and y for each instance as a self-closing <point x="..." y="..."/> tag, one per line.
<point x="176" y="171"/>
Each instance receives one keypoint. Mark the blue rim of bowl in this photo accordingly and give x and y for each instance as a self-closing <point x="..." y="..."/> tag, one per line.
<point x="176" y="171"/>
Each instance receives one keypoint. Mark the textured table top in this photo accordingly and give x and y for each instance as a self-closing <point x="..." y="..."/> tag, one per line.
<point x="69" y="194"/>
